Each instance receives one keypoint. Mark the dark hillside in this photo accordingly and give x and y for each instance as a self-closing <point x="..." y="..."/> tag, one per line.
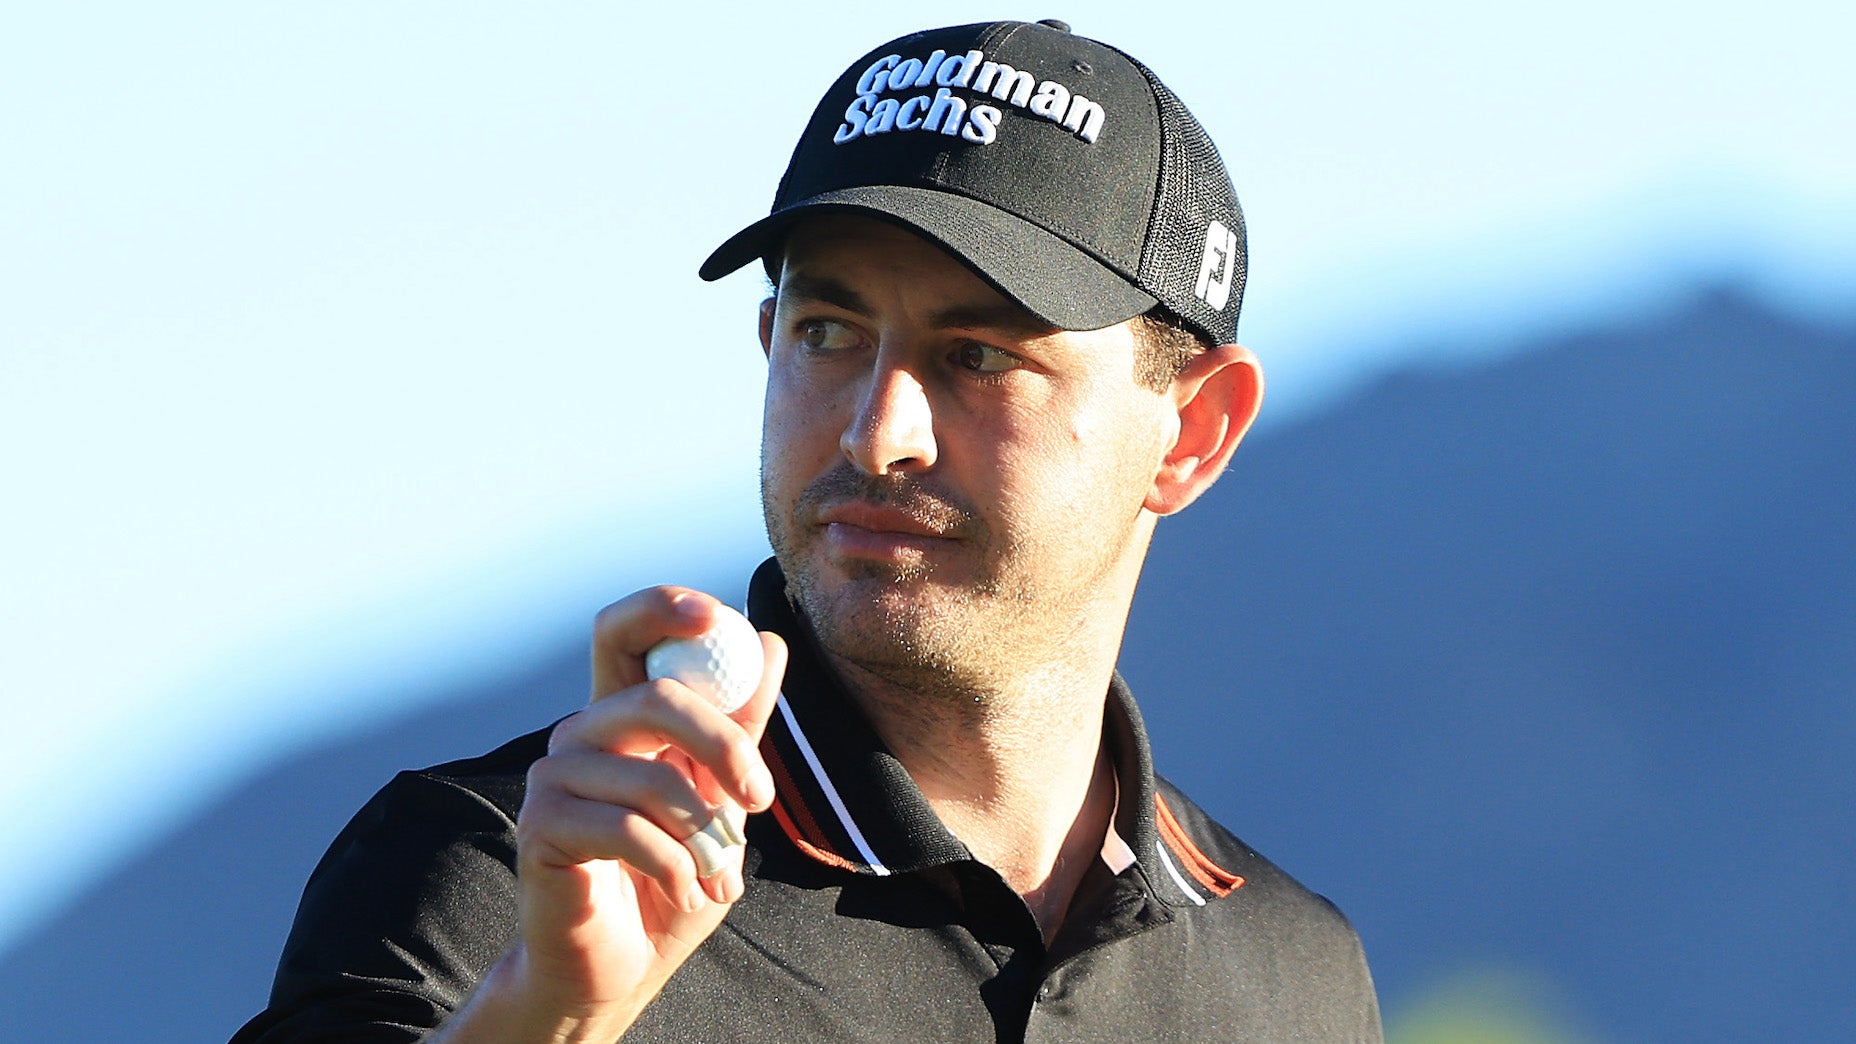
<point x="1543" y="666"/>
<point x="1546" y="666"/>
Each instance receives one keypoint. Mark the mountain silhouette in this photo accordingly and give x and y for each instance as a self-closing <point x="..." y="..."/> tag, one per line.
<point x="1545" y="665"/>
<point x="1539" y="665"/>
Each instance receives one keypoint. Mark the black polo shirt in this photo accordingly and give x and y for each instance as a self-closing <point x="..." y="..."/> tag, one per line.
<point x="863" y="918"/>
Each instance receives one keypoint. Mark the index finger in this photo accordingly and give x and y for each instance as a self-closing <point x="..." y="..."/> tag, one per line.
<point x="720" y="754"/>
<point x="624" y="630"/>
<point x="747" y="779"/>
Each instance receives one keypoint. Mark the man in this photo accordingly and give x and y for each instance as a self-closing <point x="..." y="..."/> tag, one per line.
<point x="1007" y="265"/>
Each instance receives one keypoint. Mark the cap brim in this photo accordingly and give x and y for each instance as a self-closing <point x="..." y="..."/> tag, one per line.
<point x="1050" y="277"/>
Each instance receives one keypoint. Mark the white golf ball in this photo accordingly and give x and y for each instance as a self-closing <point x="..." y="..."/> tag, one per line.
<point x="723" y="664"/>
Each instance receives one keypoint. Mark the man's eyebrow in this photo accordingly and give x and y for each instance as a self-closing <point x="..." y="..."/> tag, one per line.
<point x="1003" y="317"/>
<point x="824" y="290"/>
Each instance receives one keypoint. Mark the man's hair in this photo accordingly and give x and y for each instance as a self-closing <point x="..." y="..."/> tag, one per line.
<point x="1163" y="347"/>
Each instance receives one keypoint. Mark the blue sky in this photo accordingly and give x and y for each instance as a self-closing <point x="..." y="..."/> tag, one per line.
<point x="350" y="350"/>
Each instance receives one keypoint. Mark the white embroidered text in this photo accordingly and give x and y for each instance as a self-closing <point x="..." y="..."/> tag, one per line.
<point x="945" y="112"/>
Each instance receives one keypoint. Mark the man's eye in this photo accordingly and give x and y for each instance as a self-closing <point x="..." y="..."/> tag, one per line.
<point x="984" y="358"/>
<point x="826" y="335"/>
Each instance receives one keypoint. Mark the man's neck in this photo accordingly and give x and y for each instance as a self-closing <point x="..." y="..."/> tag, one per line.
<point x="1021" y="777"/>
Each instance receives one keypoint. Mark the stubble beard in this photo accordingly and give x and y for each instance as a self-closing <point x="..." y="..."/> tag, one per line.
<point x="906" y="624"/>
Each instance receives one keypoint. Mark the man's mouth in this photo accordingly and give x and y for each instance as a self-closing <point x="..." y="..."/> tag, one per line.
<point x="878" y="518"/>
<point x="861" y="530"/>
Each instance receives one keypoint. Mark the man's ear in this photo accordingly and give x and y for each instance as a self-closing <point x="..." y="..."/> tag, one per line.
<point x="766" y="325"/>
<point x="1217" y="397"/>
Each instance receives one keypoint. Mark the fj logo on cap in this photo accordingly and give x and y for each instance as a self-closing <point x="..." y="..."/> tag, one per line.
<point x="1217" y="266"/>
<point x="978" y="122"/>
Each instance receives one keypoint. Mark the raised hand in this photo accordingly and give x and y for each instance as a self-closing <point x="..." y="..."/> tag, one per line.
<point x="610" y="899"/>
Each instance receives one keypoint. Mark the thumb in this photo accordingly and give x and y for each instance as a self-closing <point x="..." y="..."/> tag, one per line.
<point x="758" y="710"/>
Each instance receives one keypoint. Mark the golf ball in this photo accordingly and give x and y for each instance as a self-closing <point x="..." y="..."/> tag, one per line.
<point x="723" y="664"/>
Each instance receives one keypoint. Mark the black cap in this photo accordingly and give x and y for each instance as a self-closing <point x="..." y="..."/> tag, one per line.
<point x="1058" y="168"/>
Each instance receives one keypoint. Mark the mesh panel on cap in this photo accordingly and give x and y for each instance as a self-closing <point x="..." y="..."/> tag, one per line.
<point x="1194" y="191"/>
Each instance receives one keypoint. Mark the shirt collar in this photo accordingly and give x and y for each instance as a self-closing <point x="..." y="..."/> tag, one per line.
<point x="846" y="801"/>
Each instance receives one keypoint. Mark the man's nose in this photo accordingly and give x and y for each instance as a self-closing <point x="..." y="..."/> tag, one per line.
<point x="893" y="428"/>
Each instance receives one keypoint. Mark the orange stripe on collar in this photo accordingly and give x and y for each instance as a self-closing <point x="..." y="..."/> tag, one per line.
<point x="795" y="819"/>
<point x="785" y="820"/>
<point x="1216" y="879"/>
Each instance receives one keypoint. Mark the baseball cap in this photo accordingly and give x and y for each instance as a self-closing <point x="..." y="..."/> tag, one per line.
<point x="1058" y="168"/>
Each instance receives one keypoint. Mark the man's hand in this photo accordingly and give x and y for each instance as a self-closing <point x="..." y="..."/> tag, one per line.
<point x="609" y="898"/>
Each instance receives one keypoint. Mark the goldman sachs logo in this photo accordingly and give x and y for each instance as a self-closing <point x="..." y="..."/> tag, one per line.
<point x="942" y="111"/>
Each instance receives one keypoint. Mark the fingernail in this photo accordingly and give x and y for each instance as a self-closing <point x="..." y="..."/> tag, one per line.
<point x="760" y="787"/>
<point x="694" y="899"/>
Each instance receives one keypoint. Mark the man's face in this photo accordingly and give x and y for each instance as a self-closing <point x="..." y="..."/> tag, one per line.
<point x="946" y="479"/>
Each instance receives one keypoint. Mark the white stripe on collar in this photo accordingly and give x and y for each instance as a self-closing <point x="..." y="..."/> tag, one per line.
<point x="1178" y="878"/>
<point x="831" y="792"/>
